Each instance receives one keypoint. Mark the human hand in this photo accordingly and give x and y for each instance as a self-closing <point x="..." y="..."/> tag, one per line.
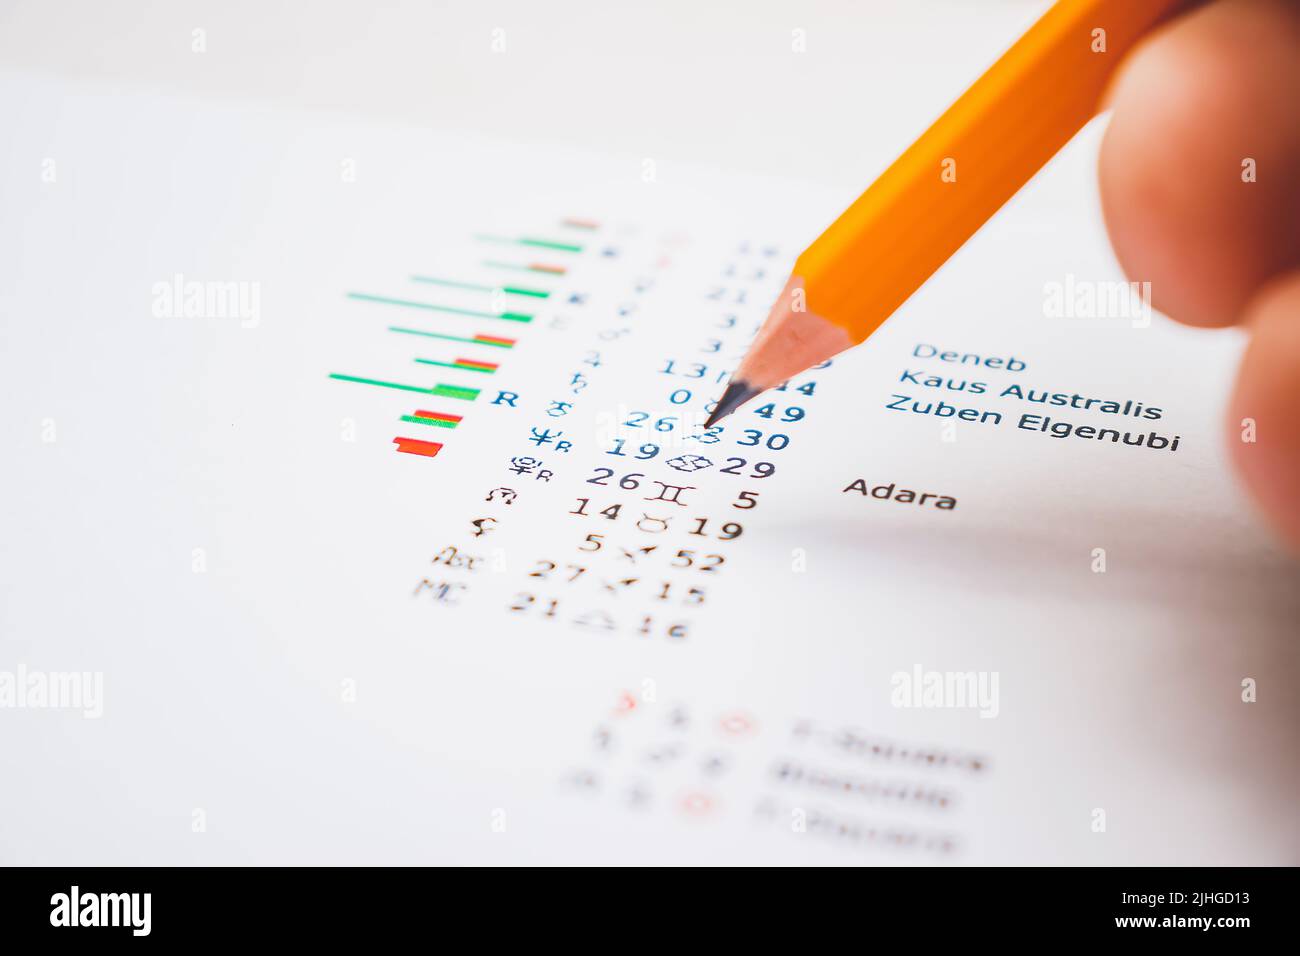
<point x="1218" y="237"/>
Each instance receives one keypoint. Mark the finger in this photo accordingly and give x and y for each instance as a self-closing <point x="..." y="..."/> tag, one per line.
<point x="1263" y="417"/>
<point x="1200" y="165"/>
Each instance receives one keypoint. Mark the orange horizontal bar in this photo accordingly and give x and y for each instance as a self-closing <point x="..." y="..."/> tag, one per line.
<point x="414" y="446"/>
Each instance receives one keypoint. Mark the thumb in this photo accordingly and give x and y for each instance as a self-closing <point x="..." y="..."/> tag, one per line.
<point x="1264" y="415"/>
<point x="1199" y="108"/>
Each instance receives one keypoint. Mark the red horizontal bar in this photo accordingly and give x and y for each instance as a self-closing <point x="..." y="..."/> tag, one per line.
<point x="474" y="363"/>
<point x="440" y="416"/>
<point x="543" y="267"/>
<point x="414" y="446"/>
<point x="499" y="339"/>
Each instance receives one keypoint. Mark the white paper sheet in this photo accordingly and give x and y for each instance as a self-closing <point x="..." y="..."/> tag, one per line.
<point x="309" y="652"/>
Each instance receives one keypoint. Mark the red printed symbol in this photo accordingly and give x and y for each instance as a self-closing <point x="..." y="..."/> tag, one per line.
<point x="736" y="724"/>
<point x="697" y="804"/>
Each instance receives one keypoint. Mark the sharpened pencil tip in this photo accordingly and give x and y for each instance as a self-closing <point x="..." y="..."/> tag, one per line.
<point x="737" y="393"/>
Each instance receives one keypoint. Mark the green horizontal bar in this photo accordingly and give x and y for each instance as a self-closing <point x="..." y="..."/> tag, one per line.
<point x="449" y="338"/>
<point x="550" y="244"/>
<point x="532" y="241"/>
<point x="478" y="287"/>
<point x="459" y="368"/>
<point x="435" y="422"/>
<point x="455" y="391"/>
<point x="375" y="381"/>
<point x="509" y="316"/>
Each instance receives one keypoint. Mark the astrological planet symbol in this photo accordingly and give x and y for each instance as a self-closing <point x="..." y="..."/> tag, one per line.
<point x="524" y="465"/>
<point x="483" y="526"/>
<point x="689" y="463"/>
<point x="508" y="494"/>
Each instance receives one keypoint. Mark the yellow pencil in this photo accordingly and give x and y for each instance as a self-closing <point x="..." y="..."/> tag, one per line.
<point x="947" y="184"/>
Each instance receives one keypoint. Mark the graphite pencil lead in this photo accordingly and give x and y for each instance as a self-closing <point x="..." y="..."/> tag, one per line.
<point x="738" y="392"/>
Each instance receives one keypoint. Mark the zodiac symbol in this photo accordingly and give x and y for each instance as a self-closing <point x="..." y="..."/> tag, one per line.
<point x="689" y="463"/>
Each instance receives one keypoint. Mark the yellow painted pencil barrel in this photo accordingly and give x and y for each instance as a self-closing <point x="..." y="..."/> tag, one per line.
<point x="974" y="158"/>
